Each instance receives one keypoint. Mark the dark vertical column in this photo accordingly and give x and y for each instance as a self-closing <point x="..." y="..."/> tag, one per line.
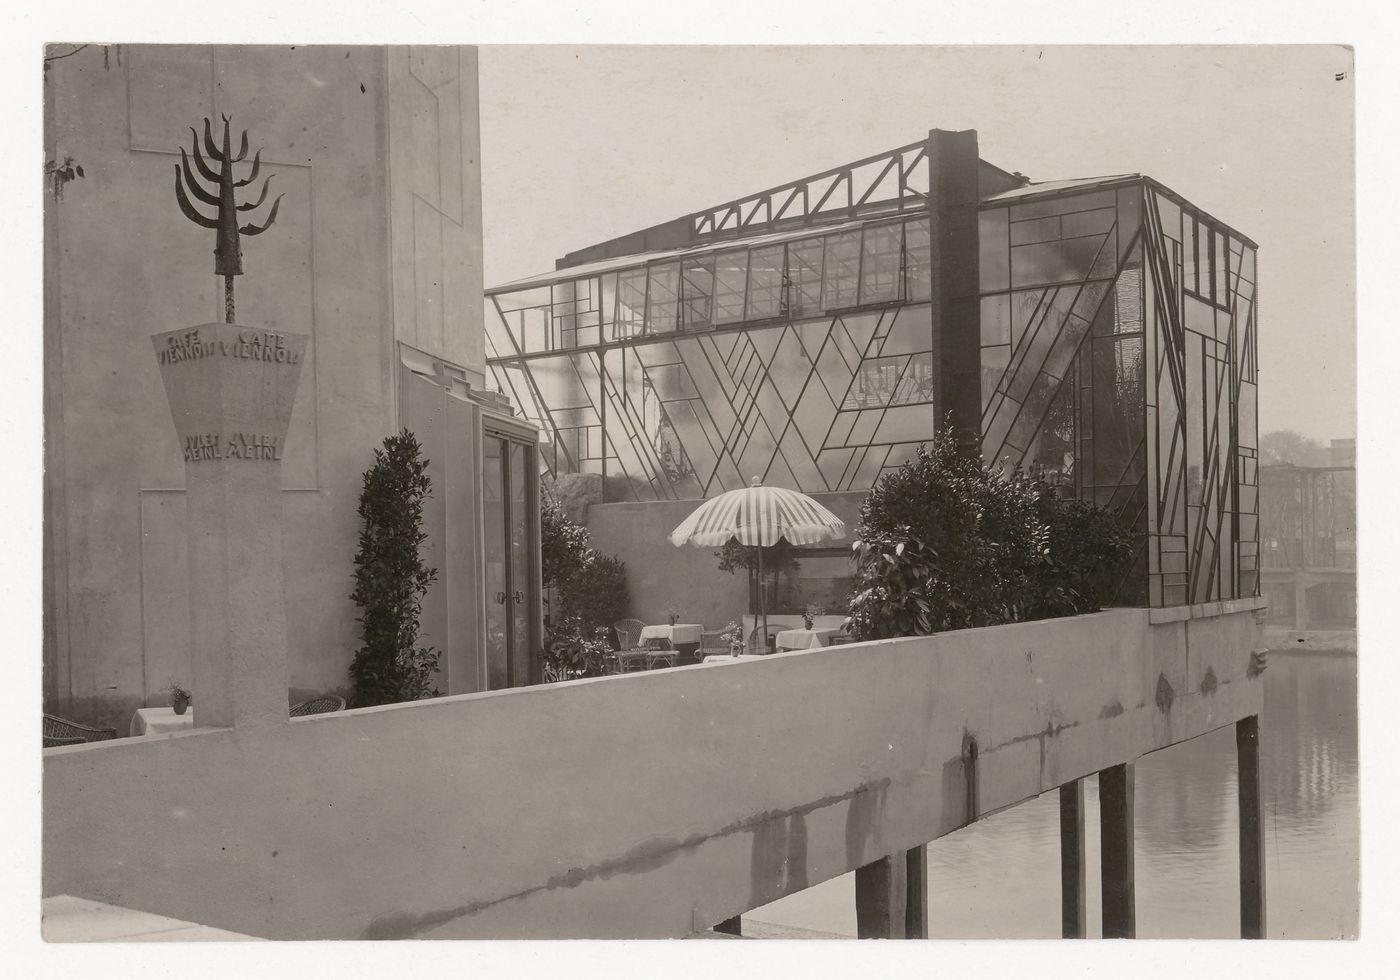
<point x="731" y="927"/>
<point x="1116" y="842"/>
<point x="881" y="893"/>
<point x="1252" y="898"/>
<point x="953" y="199"/>
<point x="916" y="892"/>
<point x="1073" y="892"/>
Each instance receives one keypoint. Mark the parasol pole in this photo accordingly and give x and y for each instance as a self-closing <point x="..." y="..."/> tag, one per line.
<point x="762" y="597"/>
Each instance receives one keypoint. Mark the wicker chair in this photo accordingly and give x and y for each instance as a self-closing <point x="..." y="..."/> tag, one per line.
<point x="629" y="633"/>
<point x="317" y="706"/>
<point x="661" y="652"/>
<point x="50" y="743"/>
<point x="60" y="731"/>
<point x="761" y="642"/>
<point x="711" y="645"/>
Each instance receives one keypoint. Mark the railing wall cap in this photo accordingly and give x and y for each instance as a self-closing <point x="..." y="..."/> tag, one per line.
<point x="1205" y="610"/>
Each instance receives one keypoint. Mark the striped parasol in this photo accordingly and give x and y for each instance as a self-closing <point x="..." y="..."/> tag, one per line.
<point x="758" y="515"/>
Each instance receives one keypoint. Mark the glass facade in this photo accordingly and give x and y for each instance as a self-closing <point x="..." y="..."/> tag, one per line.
<point x="1118" y="361"/>
<point x="806" y="362"/>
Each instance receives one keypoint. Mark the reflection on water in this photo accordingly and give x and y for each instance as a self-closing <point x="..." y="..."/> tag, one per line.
<point x="999" y="878"/>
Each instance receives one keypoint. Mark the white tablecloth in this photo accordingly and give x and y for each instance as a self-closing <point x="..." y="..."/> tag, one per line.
<point x="805" y="639"/>
<point x="154" y="721"/>
<point x="724" y="658"/>
<point x="678" y="634"/>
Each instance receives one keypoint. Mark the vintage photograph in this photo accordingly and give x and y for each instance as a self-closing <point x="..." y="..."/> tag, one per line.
<point x="699" y="492"/>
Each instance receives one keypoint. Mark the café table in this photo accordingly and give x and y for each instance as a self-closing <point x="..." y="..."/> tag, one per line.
<point x="724" y="658"/>
<point x="804" y="639"/>
<point x="678" y="635"/>
<point x="683" y="638"/>
<point x="158" y="721"/>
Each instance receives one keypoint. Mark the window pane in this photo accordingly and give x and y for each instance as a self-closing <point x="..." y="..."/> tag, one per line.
<point x="805" y="277"/>
<point x="631" y="299"/>
<point x="1203" y="233"/>
<point x="1052" y="262"/>
<point x="993" y="258"/>
<point x="663" y="295"/>
<point x="1188" y="252"/>
<point x="609" y="304"/>
<point x="917" y="261"/>
<point x="839" y="276"/>
<point x="731" y="273"/>
<point x="885" y="381"/>
<point x="697" y="287"/>
<point x="1222" y="289"/>
<point x="765" y="282"/>
<point x="996" y="319"/>
<point x="879" y="276"/>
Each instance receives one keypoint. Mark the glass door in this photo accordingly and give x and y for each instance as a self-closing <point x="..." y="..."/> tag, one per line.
<point x="512" y="559"/>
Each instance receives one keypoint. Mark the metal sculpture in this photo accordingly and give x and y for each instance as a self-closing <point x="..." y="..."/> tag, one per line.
<point x="228" y="248"/>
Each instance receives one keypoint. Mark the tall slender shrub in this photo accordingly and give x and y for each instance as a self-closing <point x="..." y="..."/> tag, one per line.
<point x="391" y="578"/>
<point x="589" y="594"/>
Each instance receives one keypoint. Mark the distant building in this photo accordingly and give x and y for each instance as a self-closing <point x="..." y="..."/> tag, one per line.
<point x="1308" y="549"/>
<point x="1100" y="332"/>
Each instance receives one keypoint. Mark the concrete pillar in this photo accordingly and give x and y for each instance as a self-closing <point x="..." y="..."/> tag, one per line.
<point x="882" y="894"/>
<point x="1073" y="890"/>
<point x="231" y="391"/>
<point x="1116" y="846"/>
<point x="1300" y="601"/>
<point x="916" y="892"/>
<point x="953" y="167"/>
<point x="1252" y="889"/>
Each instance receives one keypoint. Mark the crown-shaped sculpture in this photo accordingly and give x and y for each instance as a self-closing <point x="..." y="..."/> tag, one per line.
<point x="228" y="248"/>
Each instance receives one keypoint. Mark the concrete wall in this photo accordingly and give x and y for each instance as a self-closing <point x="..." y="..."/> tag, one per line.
<point x="659" y="574"/>
<point x="643" y="805"/>
<point x="347" y="133"/>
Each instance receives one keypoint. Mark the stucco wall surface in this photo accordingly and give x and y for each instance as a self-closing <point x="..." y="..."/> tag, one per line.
<point x="341" y="265"/>
<point x="644" y="805"/>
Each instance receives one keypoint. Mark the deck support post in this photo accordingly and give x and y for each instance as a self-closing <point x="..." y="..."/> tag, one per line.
<point x="1252" y="891"/>
<point x="881" y="895"/>
<point x="916" y="892"/>
<point x="1073" y="889"/>
<point x="1116" y="844"/>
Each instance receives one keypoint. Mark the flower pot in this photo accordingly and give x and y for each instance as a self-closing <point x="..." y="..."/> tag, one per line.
<point x="673" y="620"/>
<point x="180" y="704"/>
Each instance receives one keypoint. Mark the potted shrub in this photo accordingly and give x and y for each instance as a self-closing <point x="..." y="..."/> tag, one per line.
<point x="179" y="698"/>
<point x="810" y="614"/>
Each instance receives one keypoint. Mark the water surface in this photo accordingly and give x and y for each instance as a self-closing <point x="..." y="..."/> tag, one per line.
<point x="1000" y="877"/>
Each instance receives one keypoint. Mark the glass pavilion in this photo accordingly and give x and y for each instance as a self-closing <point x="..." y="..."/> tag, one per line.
<point x="814" y="334"/>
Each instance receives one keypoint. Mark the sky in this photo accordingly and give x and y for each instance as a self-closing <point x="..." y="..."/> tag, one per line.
<point x="581" y="144"/>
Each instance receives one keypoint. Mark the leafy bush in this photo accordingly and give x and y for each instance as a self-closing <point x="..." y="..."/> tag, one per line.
<point x="597" y="593"/>
<point x="776" y="557"/>
<point x="574" y="649"/>
<point x="564" y="548"/>
<point x="945" y="543"/>
<point x="391" y="578"/>
<point x="590" y="590"/>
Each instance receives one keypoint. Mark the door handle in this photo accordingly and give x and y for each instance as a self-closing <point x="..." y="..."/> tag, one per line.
<point x="518" y="596"/>
<point x="501" y="598"/>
